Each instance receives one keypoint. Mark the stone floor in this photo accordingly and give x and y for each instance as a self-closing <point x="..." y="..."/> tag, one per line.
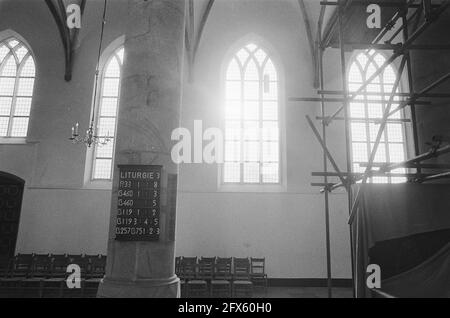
<point x="303" y="292"/>
<point x="272" y="292"/>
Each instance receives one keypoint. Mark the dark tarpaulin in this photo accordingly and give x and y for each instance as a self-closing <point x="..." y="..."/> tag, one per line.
<point x="428" y="280"/>
<point x="393" y="211"/>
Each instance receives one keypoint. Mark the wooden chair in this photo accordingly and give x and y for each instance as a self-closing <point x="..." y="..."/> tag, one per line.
<point x="22" y="265"/>
<point x="55" y="285"/>
<point x="97" y="266"/>
<point x="242" y="285"/>
<point x="195" y="288"/>
<point x="19" y="270"/>
<point x="32" y="286"/>
<point x="258" y="274"/>
<point x="189" y="268"/>
<point x="178" y="266"/>
<point x="206" y="272"/>
<point x="5" y="268"/>
<point x="221" y="284"/>
<point x="83" y="262"/>
<point x="95" y="274"/>
<point x="179" y="273"/>
<point x="206" y="268"/>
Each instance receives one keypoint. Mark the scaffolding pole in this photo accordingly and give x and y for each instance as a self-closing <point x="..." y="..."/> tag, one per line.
<point x="325" y="168"/>
<point x="411" y="86"/>
<point x="439" y="176"/>
<point x="429" y="95"/>
<point x="414" y="163"/>
<point x="347" y="131"/>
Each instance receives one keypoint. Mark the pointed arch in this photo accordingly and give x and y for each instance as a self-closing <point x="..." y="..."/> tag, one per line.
<point x="252" y="115"/>
<point x="17" y="77"/>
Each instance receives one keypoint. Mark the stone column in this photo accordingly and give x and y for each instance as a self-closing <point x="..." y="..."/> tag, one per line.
<point x="149" y="111"/>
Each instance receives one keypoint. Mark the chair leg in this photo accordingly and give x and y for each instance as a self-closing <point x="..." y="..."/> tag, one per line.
<point x="41" y="289"/>
<point x="61" y="289"/>
<point x="82" y="289"/>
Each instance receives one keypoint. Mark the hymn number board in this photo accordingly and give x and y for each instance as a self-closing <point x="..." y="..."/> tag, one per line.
<point x="139" y="203"/>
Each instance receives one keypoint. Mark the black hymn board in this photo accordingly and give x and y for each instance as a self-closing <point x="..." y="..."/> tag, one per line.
<point x="139" y="203"/>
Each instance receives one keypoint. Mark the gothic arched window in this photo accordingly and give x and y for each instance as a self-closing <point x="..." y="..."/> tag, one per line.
<point x="252" y="132"/>
<point x="367" y="110"/>
<point x="107" y="110"/>
<point x="17" y="74"/>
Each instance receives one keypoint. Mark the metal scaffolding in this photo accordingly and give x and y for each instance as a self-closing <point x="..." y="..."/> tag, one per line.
<point x="419" y="14"/>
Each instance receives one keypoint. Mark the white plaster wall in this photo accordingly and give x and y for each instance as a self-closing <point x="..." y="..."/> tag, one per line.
<point x="64" y="221"/>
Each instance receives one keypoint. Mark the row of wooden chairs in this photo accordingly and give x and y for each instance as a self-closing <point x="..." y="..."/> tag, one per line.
<point x="45" y="275"/>
<point x="220" y="277"/>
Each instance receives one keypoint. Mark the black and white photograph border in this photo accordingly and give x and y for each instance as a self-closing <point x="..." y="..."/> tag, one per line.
<point x="224" y="149"/>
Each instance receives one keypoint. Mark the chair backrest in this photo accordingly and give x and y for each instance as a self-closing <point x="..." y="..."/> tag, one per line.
<point x="208" y="260"/>
<point x="22" y="265"/>
<point x="59" y="265"/>
<point x="76" y="257"/>
<point x="5" y="266"/>
<point x="80" y="260"/>
<point x="258" y="266"/>
<point x="189" y="267"/>
<point x="178" y="271"/>
<point x="97" y="265"/>
<point x="241" y="267"/>
<point x="41" y="265"/>
<point x="223" y="267"/>
<point x="206" y="267"/>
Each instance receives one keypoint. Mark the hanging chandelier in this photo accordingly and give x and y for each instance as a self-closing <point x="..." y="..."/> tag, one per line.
<point x="91" y="138"/>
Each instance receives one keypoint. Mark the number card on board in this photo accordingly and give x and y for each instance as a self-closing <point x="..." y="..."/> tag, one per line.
<point x="139" y="203"/>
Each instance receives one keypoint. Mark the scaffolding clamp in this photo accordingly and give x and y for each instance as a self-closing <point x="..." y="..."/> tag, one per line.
<point x="390" y="25"/>
<point x="435" y="146"/>
<point x="399" y="49"/>
<point x="328" y="188"/>
<point x="327" y="120"/>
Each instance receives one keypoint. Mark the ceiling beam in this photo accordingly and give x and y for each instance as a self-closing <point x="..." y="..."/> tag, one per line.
<point x="189" y="37"/>
<point x="318" y="47"/>
<point x="201" y="29"/>
<point x="68" y="37"/>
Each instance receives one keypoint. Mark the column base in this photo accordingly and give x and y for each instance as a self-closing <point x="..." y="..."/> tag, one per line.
<point x="142" y="288"/>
